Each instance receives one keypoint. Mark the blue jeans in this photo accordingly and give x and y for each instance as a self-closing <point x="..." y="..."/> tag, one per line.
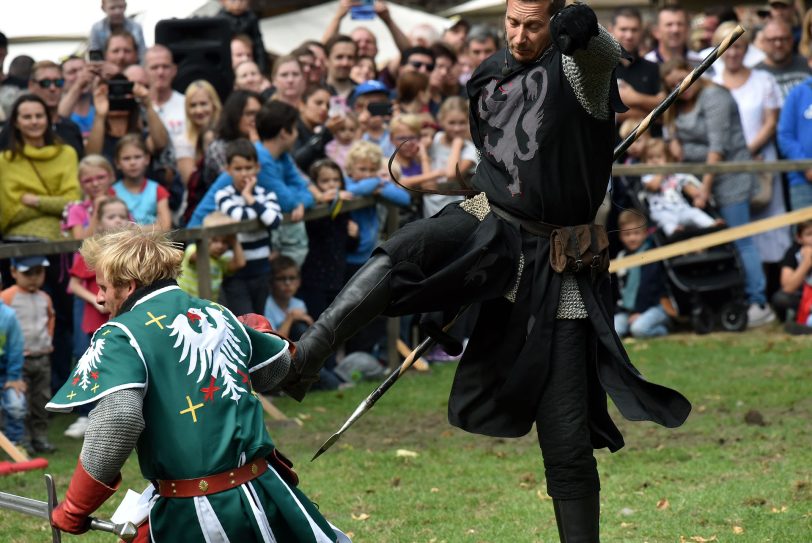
<point x="650" y="323"/>
<point x="14" y="410"/>
<point x="754" y="282"/>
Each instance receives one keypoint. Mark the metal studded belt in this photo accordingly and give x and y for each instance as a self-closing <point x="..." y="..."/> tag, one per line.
<point x="212" y="484"/>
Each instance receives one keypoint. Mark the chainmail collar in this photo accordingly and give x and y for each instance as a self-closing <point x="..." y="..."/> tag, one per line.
<point x="140" y="292"/>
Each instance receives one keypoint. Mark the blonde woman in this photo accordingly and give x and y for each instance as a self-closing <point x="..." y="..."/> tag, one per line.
<point x="202" y="113"/>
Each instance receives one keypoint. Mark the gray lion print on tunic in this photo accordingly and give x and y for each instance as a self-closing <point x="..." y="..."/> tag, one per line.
<point x="516" y="109"/>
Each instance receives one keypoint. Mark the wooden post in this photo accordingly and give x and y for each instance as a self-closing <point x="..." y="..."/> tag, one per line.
<point x="16" y="454"/>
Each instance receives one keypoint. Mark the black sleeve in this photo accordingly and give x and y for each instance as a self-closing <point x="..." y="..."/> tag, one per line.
<point x="790" y="259"/>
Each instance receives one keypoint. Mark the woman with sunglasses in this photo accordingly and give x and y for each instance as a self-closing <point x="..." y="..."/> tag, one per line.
<point x="47" y="84"/>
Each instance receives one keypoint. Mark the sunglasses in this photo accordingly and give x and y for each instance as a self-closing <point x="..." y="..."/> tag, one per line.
<point x="286" y="278"/>
<point x="416" y="64"/>
<point x="46" y="83"/>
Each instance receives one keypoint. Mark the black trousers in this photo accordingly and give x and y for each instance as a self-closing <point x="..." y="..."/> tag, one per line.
<point x="562" y="417"/>
<point x="245" y="295"/>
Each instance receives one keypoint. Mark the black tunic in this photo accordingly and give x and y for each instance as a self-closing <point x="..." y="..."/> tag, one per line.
<point x="543" y="158"/>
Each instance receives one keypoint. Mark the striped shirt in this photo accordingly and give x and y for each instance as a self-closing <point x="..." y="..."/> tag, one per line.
<point x="256" y="245"/>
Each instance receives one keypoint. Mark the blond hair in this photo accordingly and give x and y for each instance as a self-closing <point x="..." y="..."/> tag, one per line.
<point x="410" y="121"/>
<point x="143" y="254"/>
<point x="96" y="161"/>
<point x="193" y="132"/>
<point x="452" y="104"/>
<point x="630" y="218"/>
<point x="364" y="150"/>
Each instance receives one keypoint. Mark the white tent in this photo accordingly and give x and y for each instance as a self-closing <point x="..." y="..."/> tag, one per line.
<point x="481" y="8"/>
<point x="283" y="33"/>
<point x="52" y="29"/>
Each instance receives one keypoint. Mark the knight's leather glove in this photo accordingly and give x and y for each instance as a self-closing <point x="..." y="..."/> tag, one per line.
<point x="85" y="494"/>
<point x="573" y="27"/>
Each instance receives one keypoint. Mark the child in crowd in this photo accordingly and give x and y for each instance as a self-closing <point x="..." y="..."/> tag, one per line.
<point x="364" y="165"/>
<point x="226" y="256"/>
<point x="12" y="401"/>
<point x="636" y="151"/>
<point x="96" y="177"/>
<point x="146" y="199"/>
<point x="110" y="213"/>
<point x="115" y="19"/>
<point x="244" y="21"/>
<point x="450" y="151"/>
<point x="667" y="205"/>
<point x="330" y="238"/>
<point x="344" y="137"/>
<point x="35" y="313"/>
<point x="795" y="295"/>
<point x="288" y="314"/>
<point x="373" y="119"/>
<point x="640" y="310"/>
<point x="246" y="290"/>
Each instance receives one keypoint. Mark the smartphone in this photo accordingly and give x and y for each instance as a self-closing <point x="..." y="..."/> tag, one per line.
<point x="363" y="10"/>
<point x="95" y="55"/>
<point x="120" y="94"/>
<point x="380" y="109"/>
<point x="338" y="107"/>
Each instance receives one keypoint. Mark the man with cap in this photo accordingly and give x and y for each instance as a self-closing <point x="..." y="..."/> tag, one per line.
<point x="35" y="314"/>
<point x="524" y="252"/>
<point x="456" y="35"/>
<point x="373" y="122"/>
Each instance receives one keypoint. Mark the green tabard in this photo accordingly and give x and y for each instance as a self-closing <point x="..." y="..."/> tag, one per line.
<point x="194" y="359"/>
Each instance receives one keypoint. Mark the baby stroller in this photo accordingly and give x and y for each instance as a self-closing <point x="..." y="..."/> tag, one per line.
<point x="706" y="287"/>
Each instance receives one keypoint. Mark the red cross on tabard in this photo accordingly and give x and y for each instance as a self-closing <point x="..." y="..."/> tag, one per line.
<point x="244" y="376"/>
<point x="75" y="381"/>
<point x="94" y="374"/>
<point x="209" y="391"/>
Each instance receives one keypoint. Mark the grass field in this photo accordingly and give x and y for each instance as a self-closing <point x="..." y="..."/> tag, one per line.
<point x="739" y="470"/>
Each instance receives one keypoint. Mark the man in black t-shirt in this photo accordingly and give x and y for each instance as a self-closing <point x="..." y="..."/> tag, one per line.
<point x="638" y="78"/>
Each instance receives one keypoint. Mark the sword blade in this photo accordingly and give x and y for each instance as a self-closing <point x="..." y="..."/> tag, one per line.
<point x="26" y="506"/>
<point x="39" y="509"/>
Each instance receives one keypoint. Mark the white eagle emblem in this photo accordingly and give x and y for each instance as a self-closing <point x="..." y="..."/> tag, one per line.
<point x="215" y="350"/>
<point x="88" y="364"/>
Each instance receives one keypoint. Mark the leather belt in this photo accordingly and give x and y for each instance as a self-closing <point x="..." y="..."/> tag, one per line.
<point x="212" y="484"/>
<point x="537" y="228"/>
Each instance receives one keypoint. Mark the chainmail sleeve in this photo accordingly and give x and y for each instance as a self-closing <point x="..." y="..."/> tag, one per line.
<point x="589" y="71"/>
<point x="115" y="424"/>
<point x="264" y="379"/>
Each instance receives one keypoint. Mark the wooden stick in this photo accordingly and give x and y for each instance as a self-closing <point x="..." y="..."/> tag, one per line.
<point x="16" y="454"/>
<point x="710" y="240"/>
<point x="420" y="364"/>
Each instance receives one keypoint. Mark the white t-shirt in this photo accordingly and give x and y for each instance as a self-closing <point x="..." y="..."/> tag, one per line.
<point x="173" y="115"/>
<point x="759" y="94"/>
<point x="439" y="153"/>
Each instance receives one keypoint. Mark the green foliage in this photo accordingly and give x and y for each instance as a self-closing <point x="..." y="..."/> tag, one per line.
<point x="738" y="470"/>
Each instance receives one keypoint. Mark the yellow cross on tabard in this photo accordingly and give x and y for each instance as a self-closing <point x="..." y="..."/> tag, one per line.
<point x="191" y="409"/>
<point x="106" y="332"/>
<point x="95" y="388"/>
<point x="71" y="395"/>
<point x="156" y="320"/>
<point x="215" y="304"/>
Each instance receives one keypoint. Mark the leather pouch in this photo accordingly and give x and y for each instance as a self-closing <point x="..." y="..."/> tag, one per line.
<point x="575" y="248"/>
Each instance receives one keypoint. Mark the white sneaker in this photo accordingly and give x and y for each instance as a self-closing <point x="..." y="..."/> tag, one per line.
<point x="78" y="428"/>
<point x="758" y="315"/>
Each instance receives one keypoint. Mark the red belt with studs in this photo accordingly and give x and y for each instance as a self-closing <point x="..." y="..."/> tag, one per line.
<point x="212" y="484"/>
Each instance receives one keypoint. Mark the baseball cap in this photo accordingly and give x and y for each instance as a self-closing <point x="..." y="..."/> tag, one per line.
<point x="369" y="87"/>
<point x="784" y="2"/>
<point x="25" y="263"/>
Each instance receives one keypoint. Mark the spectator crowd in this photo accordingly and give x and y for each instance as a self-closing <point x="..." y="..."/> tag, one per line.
<point x="102" y="138"/>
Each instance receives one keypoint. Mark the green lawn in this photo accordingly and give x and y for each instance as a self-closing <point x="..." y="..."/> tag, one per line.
<point x="718" y="478"/>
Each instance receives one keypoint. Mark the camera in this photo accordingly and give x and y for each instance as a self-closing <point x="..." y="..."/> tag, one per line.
<point x="95" y="55"/>
<point x="120" y="94"/>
